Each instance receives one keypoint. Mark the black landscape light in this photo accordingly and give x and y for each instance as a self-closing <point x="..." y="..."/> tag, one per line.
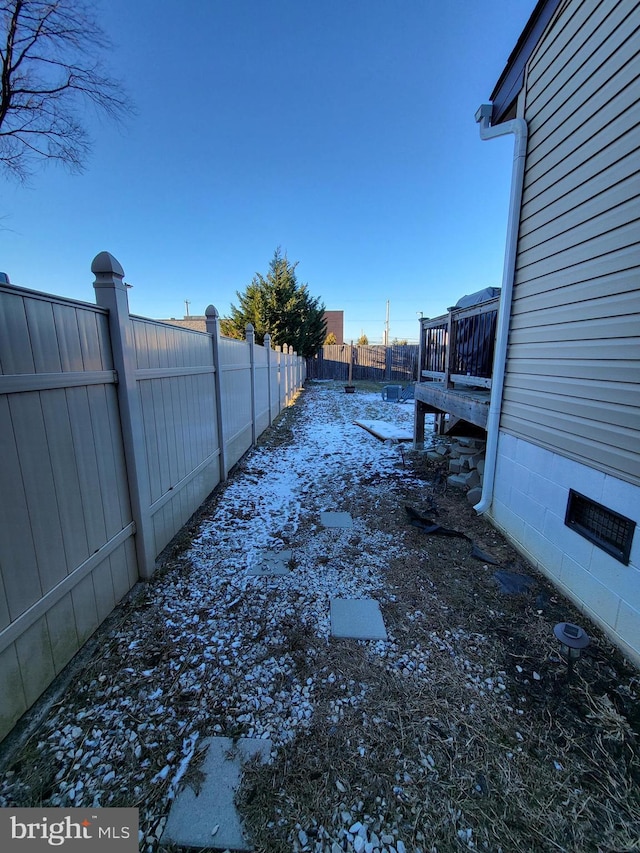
<point x="573" y="639"/>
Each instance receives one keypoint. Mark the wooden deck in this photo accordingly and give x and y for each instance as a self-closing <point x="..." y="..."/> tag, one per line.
<point x="464" y="406"/>
<point x="456" y="363"/>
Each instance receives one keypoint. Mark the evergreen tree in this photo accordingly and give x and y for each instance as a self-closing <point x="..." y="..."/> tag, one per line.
<point x="250" y="311"/>
<point x="278" y="304"/>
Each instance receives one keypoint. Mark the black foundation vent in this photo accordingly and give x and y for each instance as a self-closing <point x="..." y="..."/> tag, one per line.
<point x="605" y="528"/>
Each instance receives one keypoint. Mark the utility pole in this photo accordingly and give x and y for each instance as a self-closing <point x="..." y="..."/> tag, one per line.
<point x="186" y="305"/>
<point x="386" y="327"/>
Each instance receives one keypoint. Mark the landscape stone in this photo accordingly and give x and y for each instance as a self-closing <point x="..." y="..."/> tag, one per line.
<point x="471" y="442"/>
<point x="473" y="479"/>
<point x="465" y="463"/>
<point x="474" y="495"/>
<point x="458" y="481"/>
<point x="475" y="460"/>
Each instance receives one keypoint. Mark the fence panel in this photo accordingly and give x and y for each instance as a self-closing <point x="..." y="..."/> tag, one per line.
<point x="332" y="362"/>
<point x="235" y="381"/>
<point x="113" y="431"/>
<point x="288" y="372"/>
<point x="276" y="383"/>
<point x="66" y="555"/>
<point x="403" y="362"/>
<point x="371" y="363"/>
<point x="174" y="374"/>
<point x="283" y="374"/>
<point x="263" y="404"/>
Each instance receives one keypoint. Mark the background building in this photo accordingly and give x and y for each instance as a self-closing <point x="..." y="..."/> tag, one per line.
<point x="335" y="324"/>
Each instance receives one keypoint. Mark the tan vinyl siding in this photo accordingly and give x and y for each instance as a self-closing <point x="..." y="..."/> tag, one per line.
<point x="548" y="292"/>
<point x="573" y="364"/>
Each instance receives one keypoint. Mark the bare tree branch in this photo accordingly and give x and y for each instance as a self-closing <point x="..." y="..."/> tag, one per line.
<point x="51" y="66"/>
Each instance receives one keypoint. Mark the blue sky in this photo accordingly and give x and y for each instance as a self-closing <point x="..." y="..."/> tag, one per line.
<point x="341" y="130"/>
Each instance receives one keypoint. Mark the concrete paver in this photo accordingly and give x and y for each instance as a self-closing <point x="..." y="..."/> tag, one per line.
<point x="272" y="563"/>
<point x="336" y="519"/>
<point x="209" y="819"/>
<point x="357" y="618"/>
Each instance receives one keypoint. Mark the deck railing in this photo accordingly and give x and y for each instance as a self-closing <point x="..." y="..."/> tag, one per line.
<point x="457" y="348"/>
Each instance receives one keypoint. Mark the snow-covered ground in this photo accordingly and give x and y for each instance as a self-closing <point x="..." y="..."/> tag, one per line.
<point x="207" y="648"/>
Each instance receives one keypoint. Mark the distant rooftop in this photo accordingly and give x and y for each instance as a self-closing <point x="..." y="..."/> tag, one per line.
<point x="196" y="322"/>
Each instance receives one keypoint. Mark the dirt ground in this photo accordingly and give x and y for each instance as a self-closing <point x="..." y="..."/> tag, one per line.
<point x="461" y="733"/>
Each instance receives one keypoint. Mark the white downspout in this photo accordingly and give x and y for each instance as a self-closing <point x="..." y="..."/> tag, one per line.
<point x="518" y="127"/>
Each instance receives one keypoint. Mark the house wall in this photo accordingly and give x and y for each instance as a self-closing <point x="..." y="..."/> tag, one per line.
<point x="530" y="500"/>
<point x="572" y="364"/>
<point x="571" y="410"/>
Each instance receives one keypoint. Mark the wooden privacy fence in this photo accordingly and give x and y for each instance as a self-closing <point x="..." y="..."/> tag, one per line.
<point x="113" y="431"/>
<point x="375" y="363"/>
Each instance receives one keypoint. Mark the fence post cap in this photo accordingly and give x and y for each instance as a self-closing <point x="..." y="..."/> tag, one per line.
<point x="211" y="311"/>
<point x="249" y="327"/>
<point x="267" y="340"/>
<point x="104" y="262"/>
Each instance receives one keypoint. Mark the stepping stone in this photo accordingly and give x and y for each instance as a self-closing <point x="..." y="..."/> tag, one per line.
<point x="272" y="563"/>
<point x="336" y="519"/>
<point x="357" y="618"/>
<point x="193" y="818"/>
